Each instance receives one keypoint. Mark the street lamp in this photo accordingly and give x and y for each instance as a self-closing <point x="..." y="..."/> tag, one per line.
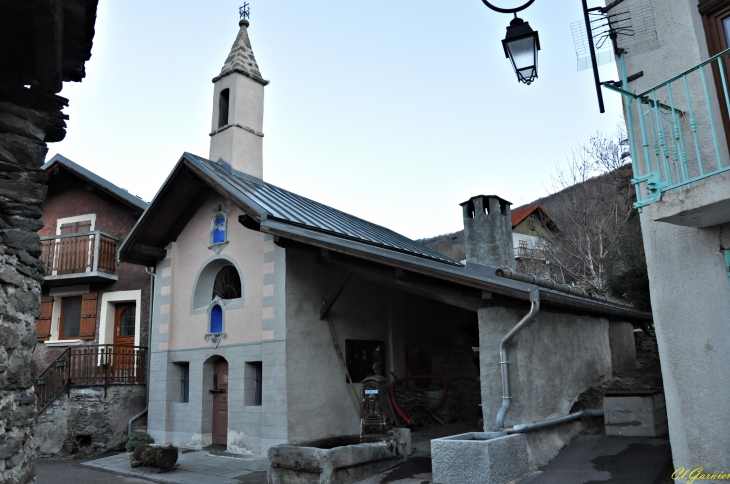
<point x="521" y="45"/>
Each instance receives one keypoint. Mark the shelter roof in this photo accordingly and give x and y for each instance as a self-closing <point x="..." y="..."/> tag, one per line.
<point x="91" y="177"/>
<point x="275" y="211"/>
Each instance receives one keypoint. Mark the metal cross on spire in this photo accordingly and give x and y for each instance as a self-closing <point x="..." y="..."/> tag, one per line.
<point x="244" y="11"/>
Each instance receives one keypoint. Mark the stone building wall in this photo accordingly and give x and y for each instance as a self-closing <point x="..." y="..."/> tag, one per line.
<point x="22" y="188"/>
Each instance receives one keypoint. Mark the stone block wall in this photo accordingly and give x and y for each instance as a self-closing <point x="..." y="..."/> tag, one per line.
<point x="92" y="416"/>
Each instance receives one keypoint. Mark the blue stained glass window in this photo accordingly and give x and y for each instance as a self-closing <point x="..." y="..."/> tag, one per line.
<point x="219" y="229"/>
<point x="216" y="319"/>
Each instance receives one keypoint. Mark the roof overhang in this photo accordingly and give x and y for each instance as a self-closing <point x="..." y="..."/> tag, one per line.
<point x="98" y="182"/>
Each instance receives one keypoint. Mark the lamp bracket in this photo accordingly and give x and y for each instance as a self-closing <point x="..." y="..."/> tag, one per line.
<point x="508" y="10"/>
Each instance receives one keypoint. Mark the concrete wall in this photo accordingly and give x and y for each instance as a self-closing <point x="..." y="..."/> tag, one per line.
<point x="552" y="361"/>
<point x="689" y="289"/>
<point x="690" y="297"/>
<point x="321" y="402"/>
<point x="623" y="347"/>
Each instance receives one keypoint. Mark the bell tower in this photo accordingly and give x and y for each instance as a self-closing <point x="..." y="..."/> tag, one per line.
<point x="238" y="109"/>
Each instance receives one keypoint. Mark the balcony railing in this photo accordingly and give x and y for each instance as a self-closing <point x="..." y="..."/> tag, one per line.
<point x="85" y="366"/>
<point x="79" y="255"/>
<point x="677" y="124"/>
<point x="530" y="253"/>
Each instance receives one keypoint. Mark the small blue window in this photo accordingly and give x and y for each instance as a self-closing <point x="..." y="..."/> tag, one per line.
<point x="216" y="319"/>
<point x="219" y="228"/>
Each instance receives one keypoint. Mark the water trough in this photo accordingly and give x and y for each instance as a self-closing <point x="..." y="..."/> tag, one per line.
<point x="338" y="460"/>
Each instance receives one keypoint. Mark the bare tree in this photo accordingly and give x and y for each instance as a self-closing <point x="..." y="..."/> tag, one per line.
<point x="594" y="201"/>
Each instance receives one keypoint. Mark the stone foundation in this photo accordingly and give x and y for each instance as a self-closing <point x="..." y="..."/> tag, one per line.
<point x="89" y="417"/>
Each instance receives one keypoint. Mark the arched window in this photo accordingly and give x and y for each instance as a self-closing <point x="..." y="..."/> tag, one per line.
<point x="218" y="228"/>
<point x="216" y="319"/>
<point x="223" y="108"/>
<point x="227" y="283"/>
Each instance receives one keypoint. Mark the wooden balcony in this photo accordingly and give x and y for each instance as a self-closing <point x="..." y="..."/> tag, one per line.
<point x="86" y="366"/>
<point x="83" y="258"/>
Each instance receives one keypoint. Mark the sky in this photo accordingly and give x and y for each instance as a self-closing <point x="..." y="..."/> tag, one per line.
<point x="393" y="111"/>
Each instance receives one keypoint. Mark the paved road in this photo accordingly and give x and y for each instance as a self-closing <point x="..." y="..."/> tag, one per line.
<point x="68" y="471"/>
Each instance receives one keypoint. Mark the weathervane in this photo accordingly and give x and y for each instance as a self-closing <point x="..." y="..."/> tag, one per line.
<point x="244" y="11"/>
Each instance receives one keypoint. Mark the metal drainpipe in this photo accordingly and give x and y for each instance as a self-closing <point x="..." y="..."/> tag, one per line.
<point x="151" y="272"/>
<point x="529" y="317"/>
<point x="529" y="427"/>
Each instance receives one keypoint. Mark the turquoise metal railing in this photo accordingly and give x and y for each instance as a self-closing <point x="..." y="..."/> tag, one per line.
<point x="677" y="126"/>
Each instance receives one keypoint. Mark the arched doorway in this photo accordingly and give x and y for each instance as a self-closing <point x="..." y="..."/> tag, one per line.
<point x="220" y="402"/>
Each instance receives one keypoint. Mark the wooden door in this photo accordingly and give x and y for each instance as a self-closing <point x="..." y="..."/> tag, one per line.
<point x="220" y="402"/>
<point x="74" y="253"/>
<point x="716" y="19"/>
<point x="124" y="327"/>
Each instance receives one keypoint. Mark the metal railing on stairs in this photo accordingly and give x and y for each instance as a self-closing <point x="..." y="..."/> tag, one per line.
<point x="91" y="365"/>
<point x="677" y="121"/>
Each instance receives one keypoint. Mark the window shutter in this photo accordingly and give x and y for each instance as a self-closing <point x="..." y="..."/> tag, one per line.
<point x="84" y="226"/>
<point x="43" y="323"/>
<point x="87" y="330"/>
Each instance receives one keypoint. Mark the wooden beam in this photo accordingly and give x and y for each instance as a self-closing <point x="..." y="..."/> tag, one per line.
<point x="329" y="302"/>
<point x="145" y="251"/>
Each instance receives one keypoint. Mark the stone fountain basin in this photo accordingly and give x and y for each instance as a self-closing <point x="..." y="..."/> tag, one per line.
<point x="337" y="460"/>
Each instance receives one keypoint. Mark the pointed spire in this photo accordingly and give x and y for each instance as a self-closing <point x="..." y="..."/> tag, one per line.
<point x="241" y="58"/>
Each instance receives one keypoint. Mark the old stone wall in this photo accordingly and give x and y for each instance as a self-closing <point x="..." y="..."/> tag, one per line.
<point x="89" y="418"/>
<point x="22" y="189"/>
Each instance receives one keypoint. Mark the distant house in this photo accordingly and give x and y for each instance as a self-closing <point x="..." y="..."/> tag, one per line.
<point x="92" y="330"/>
<point x="532" y="227"/>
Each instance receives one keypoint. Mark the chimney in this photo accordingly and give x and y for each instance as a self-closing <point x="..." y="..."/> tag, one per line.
<point x="488" y="231"/>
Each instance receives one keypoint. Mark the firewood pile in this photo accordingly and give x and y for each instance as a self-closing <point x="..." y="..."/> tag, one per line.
<point x="416" y="405"/>
<point x="154" y="456"/>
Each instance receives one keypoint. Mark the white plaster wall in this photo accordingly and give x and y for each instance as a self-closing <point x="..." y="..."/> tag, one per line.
<point x="239" y="147"/>
<point x="688" y="281"/>
<point x="690" y="297"/>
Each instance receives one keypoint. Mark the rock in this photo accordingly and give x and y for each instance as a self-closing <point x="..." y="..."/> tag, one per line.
<point x="25" y="223"/>
<point x="10" y="276"/>
<point x="28" y="152"/>
<point x="13" y="124"/>
<point x="20" y="239"/>
<point x="10" y="445"/>
<point x="38" y="118"/>
<point x="22" y="210"/>
<point x="26" y="302"/>
<point x="24" y="191"/>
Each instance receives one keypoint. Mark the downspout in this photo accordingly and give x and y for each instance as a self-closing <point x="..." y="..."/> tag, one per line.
<point x="151" y="272"/>
<point x="529" y="427"/>
<point x="529" y="317"/>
